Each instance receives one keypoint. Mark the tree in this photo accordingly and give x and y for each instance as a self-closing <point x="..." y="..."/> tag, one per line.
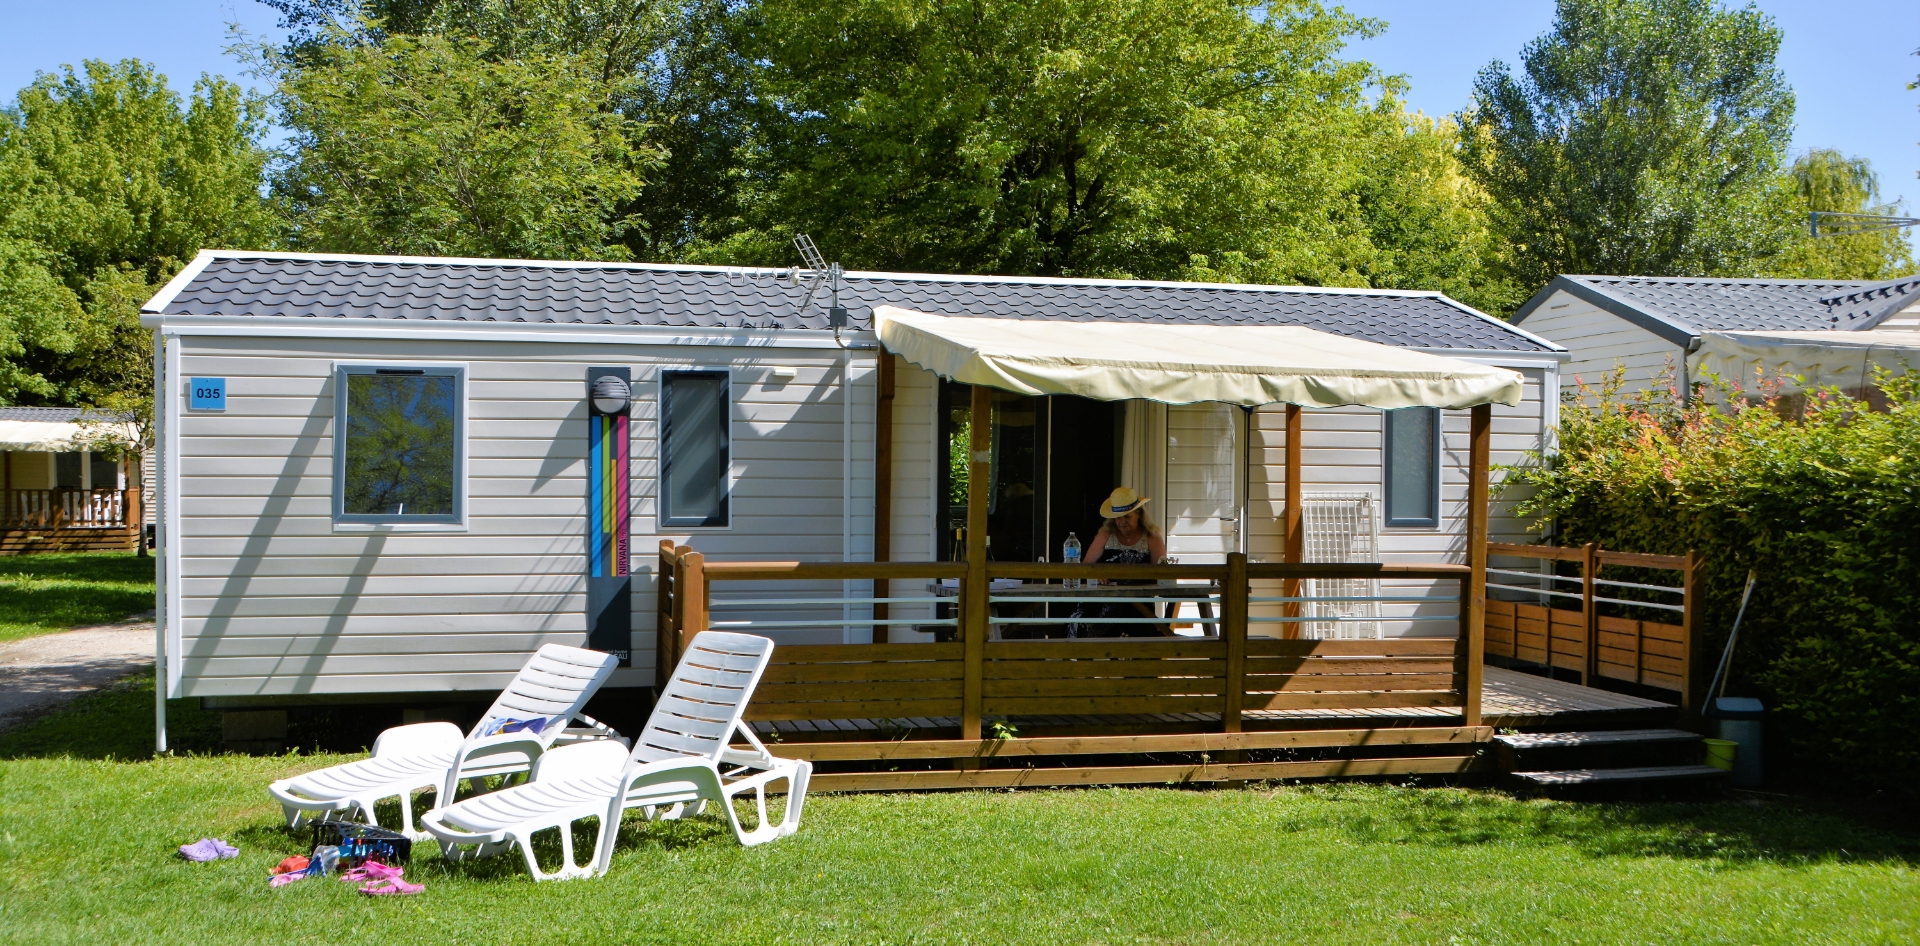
<point x="108" y="185"/>
<point x="1826" y="180"/>
<point x="666" y="65"/>
<point x="37" y="314"/>
<point x="1063" y="137"/>
<point x="430" y="145"/>
<point x="1642" y="137"/>
<point x="1426" y="221"/>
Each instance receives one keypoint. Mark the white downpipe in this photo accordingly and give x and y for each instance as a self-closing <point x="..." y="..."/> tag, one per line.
<point x="846" y="489"/>
<point x="160" y="616"/>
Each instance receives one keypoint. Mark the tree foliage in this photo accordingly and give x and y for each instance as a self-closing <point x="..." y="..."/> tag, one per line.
<point x="1822" y="503"/>
<point x="428" y="145"/>
<point x="1826" y="180"/>
<point x="667" y="66"/>
<point x="1641" y="137"/>
<point x="108" y="184"/>
<point x="1066" y="137"/>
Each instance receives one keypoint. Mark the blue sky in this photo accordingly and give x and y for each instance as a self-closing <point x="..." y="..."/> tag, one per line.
<point x="1849" y="60"/>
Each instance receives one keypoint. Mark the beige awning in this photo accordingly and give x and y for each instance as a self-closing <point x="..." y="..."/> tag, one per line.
<point x="57" y="436"/>
<point x="1842" y="359"/>
<point x="1248" y="365"/>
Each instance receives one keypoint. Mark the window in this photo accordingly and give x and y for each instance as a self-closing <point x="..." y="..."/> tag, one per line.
<point x="694" y="414"/>
<point x="1412" y="452"/>
<point x="66" y="471"/>
<point x="399" y="444"/>
<point x="102" y="472"/>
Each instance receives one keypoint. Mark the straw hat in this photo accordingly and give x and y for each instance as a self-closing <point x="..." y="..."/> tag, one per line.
<point x="1124" y="500"/>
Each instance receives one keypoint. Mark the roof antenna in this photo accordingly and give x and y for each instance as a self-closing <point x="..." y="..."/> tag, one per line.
<point x="822" y="271"/>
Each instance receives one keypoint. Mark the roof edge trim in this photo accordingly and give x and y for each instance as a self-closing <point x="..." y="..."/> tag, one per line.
<point x="187" y="274"/>
<point x="765" y="270"/>
<point x="1637" y="314"/>
<point x="1550" y="344"/>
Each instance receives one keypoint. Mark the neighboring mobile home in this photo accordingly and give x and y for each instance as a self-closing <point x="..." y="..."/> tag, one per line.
<point x="1653" y="326"/>
<point x="442" y="533"/>
<point x="58" y="490"/>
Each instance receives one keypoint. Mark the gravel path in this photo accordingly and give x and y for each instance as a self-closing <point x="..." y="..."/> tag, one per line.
<point x="41" y="673"/>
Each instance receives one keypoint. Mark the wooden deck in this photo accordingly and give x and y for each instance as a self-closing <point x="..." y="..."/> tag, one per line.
<point x="1509" y="700"/>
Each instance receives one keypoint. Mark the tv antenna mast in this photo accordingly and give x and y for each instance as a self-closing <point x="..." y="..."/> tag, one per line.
<point x="822" y="271"/>
<point x="1846" y="224"/>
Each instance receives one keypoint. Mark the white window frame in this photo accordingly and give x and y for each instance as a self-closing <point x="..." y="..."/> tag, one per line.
<point x="1386" y="473"/>
<point x="661" y="522"/>
<point x="457" y="522"/>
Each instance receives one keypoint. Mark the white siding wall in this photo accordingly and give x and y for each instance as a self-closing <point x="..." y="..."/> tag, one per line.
<point x="273" y="601"/>
<point x="1202" y="482"/>
<point x="1599" y="340"/>
<point x="1341" y="451"/>
<point x="916" y="428"/>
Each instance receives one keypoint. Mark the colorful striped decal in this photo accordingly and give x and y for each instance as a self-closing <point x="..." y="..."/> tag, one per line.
<point x="609" y="496"/>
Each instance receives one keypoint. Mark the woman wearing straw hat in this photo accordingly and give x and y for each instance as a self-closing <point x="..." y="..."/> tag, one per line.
<point x="1129" y="537"/>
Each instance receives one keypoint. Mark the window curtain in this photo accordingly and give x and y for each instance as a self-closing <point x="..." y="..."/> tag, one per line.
<point x="1143" y="453"/>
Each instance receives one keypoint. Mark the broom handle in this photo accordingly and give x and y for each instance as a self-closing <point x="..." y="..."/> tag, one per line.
<point x="1726" y="656"/>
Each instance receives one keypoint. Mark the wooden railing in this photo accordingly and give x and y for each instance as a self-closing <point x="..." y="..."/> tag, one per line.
<point x="975" y="677"/>
<point x="33" y="509"/>
<point x="1568" y="630"/>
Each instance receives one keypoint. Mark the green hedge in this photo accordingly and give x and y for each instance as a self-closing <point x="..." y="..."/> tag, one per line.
<point x="1823" y="501"/>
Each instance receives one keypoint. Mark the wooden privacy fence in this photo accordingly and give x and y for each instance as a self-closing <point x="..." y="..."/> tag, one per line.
<point x="1567" y="630"/>
<point x="1232" y="679"/>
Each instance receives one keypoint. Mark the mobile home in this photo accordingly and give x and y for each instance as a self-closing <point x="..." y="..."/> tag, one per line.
<point x="400" y="476"/>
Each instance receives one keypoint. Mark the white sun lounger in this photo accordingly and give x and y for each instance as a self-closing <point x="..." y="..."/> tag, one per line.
<point x="554" y="686"/>
<point x="683" y="758"/>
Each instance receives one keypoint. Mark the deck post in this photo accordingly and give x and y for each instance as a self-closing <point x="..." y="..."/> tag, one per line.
<point x="973" y="589"/>
<point x="1589" y="570"/>
<point x="1474" y="599"/>
<point x="1233" y="628"/>
<point x="882" y="489"/>
<point x="132" y="511"/>
<point x="1689" y="627"/>
<point x="1295" y="523"/>
<point x="692" y="593"/>
<point x="666" y="612"/>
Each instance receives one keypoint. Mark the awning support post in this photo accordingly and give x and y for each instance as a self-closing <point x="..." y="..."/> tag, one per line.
<point x="973" y="611"/>
<point x="1473" y="601"/>
<point x="1296" y="533"/>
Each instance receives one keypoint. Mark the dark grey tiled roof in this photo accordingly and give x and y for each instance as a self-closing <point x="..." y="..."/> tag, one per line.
<point x="1689" y="306"/>
<point x="1867" y="305"/>
<point x="52" y="415"/>
<point x="464" y="290"/>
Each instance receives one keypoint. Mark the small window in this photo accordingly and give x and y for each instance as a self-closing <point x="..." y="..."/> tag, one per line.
<point x="694" y="411"/>
<point x="1412" y="452"/>
<point x="398" y="444"/>
<point x="103" y="473"/>
<point x="67" y="471"/>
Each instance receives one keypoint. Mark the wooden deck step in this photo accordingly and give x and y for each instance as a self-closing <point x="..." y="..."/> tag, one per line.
<point x="1612" y="737"/>
<point x="1666" y="773"/>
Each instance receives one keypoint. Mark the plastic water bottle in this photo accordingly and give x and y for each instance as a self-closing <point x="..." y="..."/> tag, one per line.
<point x="1070" y="554"/>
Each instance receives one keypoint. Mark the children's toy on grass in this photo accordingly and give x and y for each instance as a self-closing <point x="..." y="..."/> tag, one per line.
<point x="360" y="843"/>
<point x="352" y="849"/>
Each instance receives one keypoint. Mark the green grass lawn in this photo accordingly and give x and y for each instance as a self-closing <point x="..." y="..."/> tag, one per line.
<point x="88" y="825"/>
<point x="41" y="594"/>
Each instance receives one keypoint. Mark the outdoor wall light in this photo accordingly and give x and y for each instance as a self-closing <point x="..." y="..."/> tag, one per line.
<point x="610" y="395"/>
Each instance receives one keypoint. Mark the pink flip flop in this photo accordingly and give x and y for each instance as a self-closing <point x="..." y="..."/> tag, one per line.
<point x="380" y="880"/>
<point x="394" y="887"/>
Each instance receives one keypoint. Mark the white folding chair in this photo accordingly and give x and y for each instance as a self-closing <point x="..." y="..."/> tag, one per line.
<point x="682" y="760"/>
<point x="552" y="688"/>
